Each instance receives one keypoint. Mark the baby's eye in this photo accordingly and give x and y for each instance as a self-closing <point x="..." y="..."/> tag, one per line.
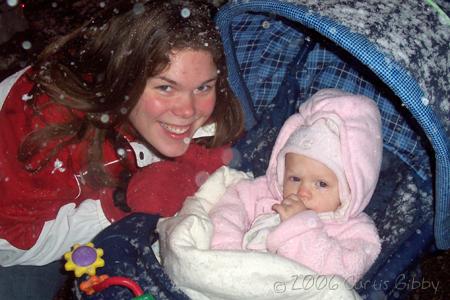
<point x="294" y="178"/>
<point x="321" y="184"/>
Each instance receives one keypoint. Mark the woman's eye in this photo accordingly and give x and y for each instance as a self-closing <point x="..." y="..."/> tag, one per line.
<point x="203" y="88"/>
<point x="321" y="184"/>
<point x="164" y="88"/>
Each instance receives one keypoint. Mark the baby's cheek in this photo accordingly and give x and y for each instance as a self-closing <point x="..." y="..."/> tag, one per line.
<point x="288" y="189"/>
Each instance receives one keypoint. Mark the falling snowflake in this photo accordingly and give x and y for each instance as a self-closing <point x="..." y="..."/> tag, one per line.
<point x="186" y="140"/>
<point x="236" y="158"/>
<point x="12" y="2"/>
<point x="26" y="97"/>
<point x="123" y="110"/>
<point x="425" y="101"/>
<point x="104" y="118"/>
<point x="58" y="166"/>
<point x="138" y="8"/>
<point x="121" y="152"/>
<point x="266" y="24"/>
<point x="26" y="45"/>
<point x="445" y="105"/>
<point x="311" y="223"/>
<point x="185" y="12"/>
<point x="227" y="156"/>
<point x="201" y="177"/>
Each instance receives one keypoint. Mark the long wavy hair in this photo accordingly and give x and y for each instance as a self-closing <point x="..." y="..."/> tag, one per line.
<point x="99" y="71"/>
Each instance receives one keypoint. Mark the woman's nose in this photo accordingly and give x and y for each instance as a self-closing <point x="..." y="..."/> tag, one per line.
<point x="185" y="106"/>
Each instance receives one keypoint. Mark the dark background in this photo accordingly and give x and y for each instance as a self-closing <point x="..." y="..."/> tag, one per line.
<point x="26" y="27"/>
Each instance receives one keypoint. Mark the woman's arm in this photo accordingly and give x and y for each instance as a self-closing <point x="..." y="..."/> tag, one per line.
<point x="8" y="83"/>
<point x="162" y="187"/>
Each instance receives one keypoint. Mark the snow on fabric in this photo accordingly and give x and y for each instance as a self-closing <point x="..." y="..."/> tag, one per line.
<point x="416" y="40"/>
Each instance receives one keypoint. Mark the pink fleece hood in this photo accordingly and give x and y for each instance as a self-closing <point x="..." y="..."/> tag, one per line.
<point x="359" y="124"/>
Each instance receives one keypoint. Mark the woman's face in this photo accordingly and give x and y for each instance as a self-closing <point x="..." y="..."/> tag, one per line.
<point x="176" y="102"/>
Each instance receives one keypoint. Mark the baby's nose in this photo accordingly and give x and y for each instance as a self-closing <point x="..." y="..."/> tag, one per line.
<point x="303" y="191"/>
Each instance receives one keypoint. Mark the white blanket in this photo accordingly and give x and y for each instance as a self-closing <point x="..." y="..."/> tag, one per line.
<point x="212" y="274"/>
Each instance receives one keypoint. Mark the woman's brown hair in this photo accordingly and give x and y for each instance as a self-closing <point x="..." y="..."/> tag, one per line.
<point x="99" y="71"/>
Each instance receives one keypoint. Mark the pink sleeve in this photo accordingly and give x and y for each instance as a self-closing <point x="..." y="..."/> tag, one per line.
<point x="233" y="214"/>
<point x="349" y="252"/>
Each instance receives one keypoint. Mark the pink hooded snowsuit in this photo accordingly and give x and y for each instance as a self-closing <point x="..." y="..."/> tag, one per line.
<point x="344" y="242"/>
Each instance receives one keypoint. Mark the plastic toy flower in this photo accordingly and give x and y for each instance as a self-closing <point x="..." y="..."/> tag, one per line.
<point x="84" y="259"/>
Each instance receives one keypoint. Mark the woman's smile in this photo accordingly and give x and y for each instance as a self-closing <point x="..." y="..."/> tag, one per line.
<point x="175" y="129"/>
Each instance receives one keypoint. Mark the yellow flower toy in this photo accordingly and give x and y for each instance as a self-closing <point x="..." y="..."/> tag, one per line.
<point x="84" y="259"/>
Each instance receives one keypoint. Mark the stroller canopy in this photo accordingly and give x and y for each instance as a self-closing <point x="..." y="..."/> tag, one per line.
<point x="405" y="45"/>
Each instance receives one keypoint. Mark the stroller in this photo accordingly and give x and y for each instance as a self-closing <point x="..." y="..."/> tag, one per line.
<point x="280" y="53"/>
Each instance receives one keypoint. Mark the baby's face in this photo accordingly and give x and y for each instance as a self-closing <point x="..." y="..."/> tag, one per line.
<point x="311" y="182"/>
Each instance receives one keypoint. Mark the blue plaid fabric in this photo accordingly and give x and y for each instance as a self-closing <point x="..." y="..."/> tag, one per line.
<point x="262" y="64"/>
<point x="265" y="47"/>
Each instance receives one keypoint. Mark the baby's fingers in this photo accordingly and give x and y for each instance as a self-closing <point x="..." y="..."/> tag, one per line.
<point x="288" y="202"/>
<point x="292" y="197"/>
<point x="282" y="210"/>
<point x="278" y="208"/>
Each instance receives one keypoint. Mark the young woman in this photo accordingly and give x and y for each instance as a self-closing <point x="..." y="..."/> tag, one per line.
<point x="134" y="85"/>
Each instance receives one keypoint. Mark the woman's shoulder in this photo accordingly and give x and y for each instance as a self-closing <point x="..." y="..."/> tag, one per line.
<point x="16" y="80"/>
<point x="17" y="94"/>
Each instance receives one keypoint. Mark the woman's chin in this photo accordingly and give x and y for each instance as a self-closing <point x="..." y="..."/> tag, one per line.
<point x="175" y="149"/>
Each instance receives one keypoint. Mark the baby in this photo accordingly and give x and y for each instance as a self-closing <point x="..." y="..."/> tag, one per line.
<point x="309" y="206"/>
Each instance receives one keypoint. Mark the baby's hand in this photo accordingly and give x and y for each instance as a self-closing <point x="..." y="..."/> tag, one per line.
<point x="290" y="206"/>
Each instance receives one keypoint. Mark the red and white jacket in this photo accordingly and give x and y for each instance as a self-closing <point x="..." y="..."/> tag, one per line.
<point x="43" y="214"/>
